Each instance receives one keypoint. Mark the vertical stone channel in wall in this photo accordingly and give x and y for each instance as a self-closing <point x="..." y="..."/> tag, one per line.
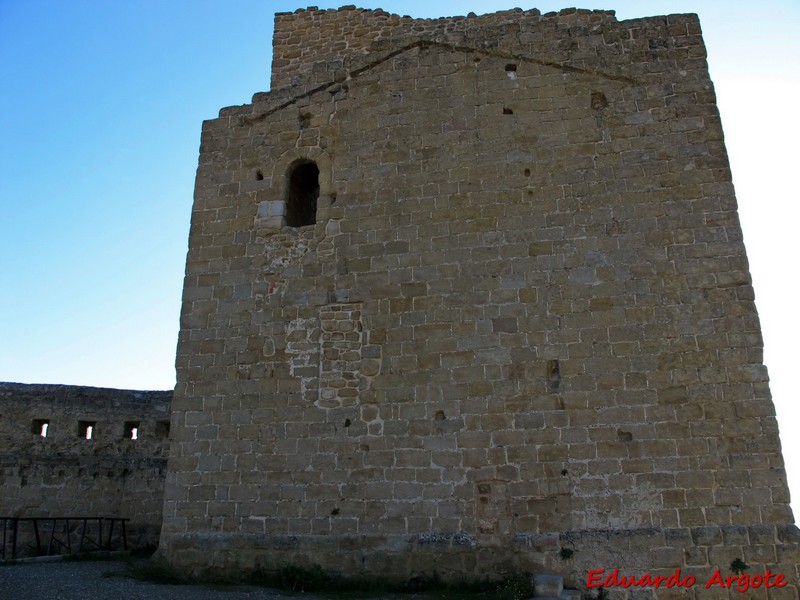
<point x="346" y="365"/>
<point x="340" y="355"/>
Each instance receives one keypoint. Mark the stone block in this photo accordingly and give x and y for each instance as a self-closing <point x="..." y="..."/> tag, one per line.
<point x="548" y="586"/>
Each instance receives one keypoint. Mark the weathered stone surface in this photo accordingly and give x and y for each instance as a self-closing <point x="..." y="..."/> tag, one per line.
<point x="63" y="474"/>
<point x="515" y="313"/>
<point x="548" y="585"/>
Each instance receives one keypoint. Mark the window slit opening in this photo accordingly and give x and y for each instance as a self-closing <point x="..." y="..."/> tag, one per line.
<point x="86" y="429"/>
<point x="39" y="427"/>
<point x="131" y="430"/>
<point x="303" y="193"/>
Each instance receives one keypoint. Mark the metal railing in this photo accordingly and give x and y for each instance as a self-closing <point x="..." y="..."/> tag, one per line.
<point x="54" y="535"/>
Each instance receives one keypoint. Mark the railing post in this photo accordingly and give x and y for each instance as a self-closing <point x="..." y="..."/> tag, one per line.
<point x="36" y="533"/>
<point x="110" y="532"/>
<point x="52" y="536"/>
<point x="14" y="538"/>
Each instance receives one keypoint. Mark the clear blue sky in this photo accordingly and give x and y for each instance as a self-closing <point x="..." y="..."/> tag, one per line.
<point x="101" y="104"/>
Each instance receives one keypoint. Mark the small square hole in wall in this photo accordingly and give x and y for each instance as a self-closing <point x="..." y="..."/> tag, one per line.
<point x="39" y="427"/>
<point x="162" y="430"/>
<point x="87" y="429"/>
<point x="131" y="430"/>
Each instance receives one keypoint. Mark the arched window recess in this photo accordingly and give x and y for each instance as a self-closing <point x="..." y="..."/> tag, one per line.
<point x="302" y="194"/>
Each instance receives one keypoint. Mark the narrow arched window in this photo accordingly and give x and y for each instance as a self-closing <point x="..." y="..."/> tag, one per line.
<point x="303" y="192"/>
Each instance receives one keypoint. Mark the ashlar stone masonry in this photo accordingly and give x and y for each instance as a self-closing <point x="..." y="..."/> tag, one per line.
<point x="469" y="295"/>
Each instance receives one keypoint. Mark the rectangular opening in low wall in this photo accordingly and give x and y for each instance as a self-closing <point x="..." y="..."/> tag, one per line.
<point x="87" y="429"/>
<point x="131" y="430"/>
<point x="39" y="427"/>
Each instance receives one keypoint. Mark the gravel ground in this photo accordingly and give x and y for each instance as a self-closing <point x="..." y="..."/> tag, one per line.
<point x="105" y="580"/>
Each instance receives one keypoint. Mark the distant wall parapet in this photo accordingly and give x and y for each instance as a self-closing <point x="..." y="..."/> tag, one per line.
<point x="82" y="451"/>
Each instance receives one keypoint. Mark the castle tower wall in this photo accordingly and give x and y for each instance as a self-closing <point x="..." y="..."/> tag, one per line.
<point x="521" y="322"/>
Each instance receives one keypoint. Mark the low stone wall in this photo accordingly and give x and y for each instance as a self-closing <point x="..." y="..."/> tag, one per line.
<point x="678" y="562"/>
<point x="69" y="451"/>
<point x="684" y="561"/>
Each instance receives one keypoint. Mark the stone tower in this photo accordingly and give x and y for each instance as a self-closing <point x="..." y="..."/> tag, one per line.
<point x="469" y="295"/>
